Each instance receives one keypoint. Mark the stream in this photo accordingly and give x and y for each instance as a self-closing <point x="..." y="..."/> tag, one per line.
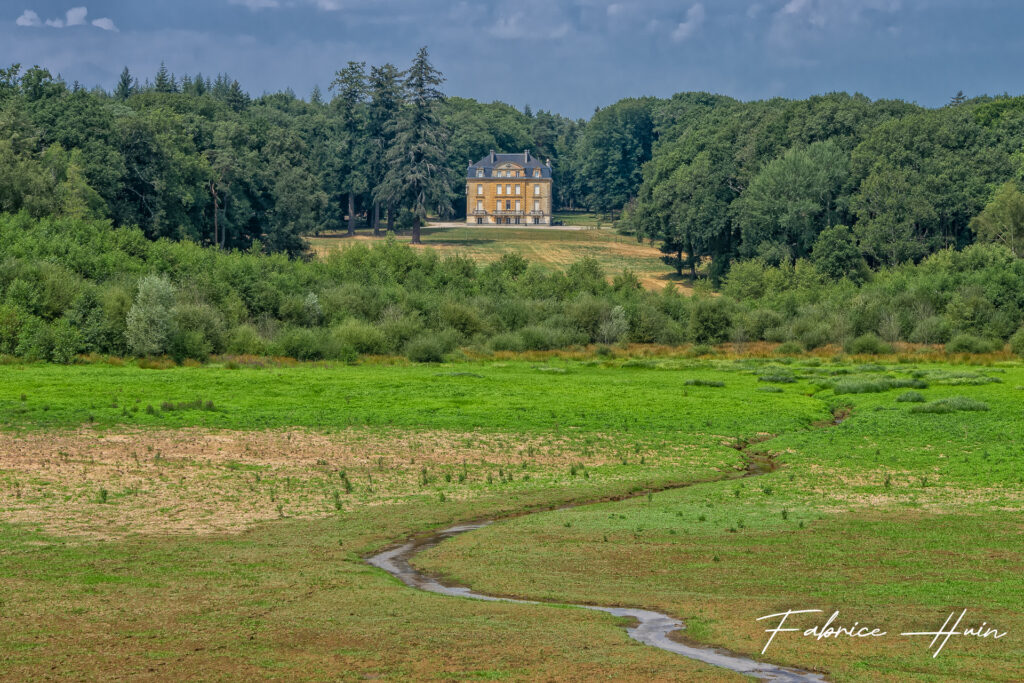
<point x="652" y="628"/>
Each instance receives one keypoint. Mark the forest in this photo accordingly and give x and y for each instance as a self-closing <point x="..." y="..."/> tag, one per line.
<point x="169" y="216"/>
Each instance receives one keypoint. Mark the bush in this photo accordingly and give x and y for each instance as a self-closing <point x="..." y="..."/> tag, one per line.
<point x="460" y="317"/>
<point x="932" y="330"/>
<point x="867" y="344"/>
<point x="507" y="341"/>
<point x="149" y="319"/>
<point x="362" y="337"/>
<point x="790" y="348"/>
<point x="428" y="348"/>
<point x="950" y="405"/>
<point x="202" y="322"/>
<point x="614" y="327"/>
<point x="300" y="343"/>
<point x="544" y="338"/>
<point x="66" y="342"/>
<point x="910" y="397"/>
<point x="246" y="340"/>
<point x="1017" y="342"/>
<point x="189" y="344"/>
<point x="968" y="343"/>
<point x="710" y="321"/>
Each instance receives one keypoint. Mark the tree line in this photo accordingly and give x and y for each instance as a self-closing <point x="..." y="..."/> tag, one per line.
<point x="851" y="182"/>
<point x="197" y="158"/>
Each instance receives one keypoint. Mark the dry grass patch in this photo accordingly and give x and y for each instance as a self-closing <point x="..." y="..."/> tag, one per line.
<point x="99" y="485"/>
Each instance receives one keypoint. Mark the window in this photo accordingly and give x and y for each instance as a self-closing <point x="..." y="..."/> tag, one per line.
<point x="536" y="205"/>
<point x="479" y="205"/>
<point x="536" y="173"/>
<point x="508" y="189"/>
<point x="508" y="204"/>
<point x="479" y="220"/>
<point x="536" y="190"/>
<point x="519" y="189"/>
<point x="519" y="206"/>
<point x="479" y="173"/>
<point x="479" y="189"/>
<point x="499" y="188"/>
<point x="498" y="208"/>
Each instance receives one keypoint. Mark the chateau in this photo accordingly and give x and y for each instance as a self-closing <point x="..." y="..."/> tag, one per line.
<point x="508" y="189"/>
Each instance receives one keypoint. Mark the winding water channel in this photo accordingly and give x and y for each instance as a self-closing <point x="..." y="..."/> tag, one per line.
<point x="652" y="628"/>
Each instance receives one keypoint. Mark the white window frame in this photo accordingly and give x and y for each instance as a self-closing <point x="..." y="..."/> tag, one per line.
<point x="508" y="189"/>
<point x="480" y="189"/>
<point x="479" y="173"/>
<point x="519" y="189"/>
<point x="499" y="188"/>
<point x="536" y="205"/>
<point x="536" y="190"/>
<point x="519" y="205"/>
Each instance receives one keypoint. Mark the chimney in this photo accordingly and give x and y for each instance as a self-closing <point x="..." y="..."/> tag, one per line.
<point x="526" y="157"/>
<point x="492" y="156"/>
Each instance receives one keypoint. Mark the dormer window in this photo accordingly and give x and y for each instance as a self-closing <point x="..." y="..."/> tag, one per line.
<point x="479" y="173"/>
<point x="536" y="173"/>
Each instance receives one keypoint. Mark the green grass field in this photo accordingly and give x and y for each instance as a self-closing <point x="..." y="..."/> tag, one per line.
<point x="149" y="534"/>
<point x="550" y="247"/>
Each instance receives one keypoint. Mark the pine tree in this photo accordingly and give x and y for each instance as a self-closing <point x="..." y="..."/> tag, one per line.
<point x="316" y="97"/>
<point x="350" y="86"/>
<point x="958" y="99"/>
<point x="165" y="80"/>
<point x="125" y="85"/>
<point x="385" y="87"/>
<point x="417" y="175"/>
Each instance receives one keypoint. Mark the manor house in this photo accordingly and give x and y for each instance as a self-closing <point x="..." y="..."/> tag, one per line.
<point x="508" y="189"/>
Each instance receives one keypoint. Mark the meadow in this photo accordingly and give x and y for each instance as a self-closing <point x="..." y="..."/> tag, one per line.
<point x="556" y="248"/>
<point x="212" y="521"/>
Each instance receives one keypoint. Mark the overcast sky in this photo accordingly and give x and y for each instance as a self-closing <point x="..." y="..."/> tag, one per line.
<point x="567" y="56"/>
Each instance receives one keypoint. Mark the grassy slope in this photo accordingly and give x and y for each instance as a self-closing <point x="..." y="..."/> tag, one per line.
<point x="292" y="598"/>
<point x="553" y="248"/>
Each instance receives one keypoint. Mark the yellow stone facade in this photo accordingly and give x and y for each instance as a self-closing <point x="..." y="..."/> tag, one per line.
<point x="508" y="189"/>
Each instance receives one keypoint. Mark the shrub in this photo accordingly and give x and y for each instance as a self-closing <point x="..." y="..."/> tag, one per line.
<point x="460" y="317"/>
<point x="950" y="405"/>
<point x="149" y="319"/>
<point x="932" y="330"/>
<point x="191" y="344"/>
<point x="507" y="341"/>
<point x="1017" y="342"/>
<point x="710" y="321"/>
<point x="790" y="348"/>
<point x="543" y="338"/>
<point x="300" y="343"/>
<point x="428" y="348"/>
<point x="246" y="340"/>
<point x="197" y="330"/>
<point x="614" y="326"/>
<point x="867" y="343"/>
<point x="66" y="341"/>
<point x="361" y="337"/>
<point x="968" y="343"/>
<point x="910" y="397"/>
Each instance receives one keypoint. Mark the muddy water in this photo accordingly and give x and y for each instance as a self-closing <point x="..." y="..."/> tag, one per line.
<point x="652" y="628"/>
